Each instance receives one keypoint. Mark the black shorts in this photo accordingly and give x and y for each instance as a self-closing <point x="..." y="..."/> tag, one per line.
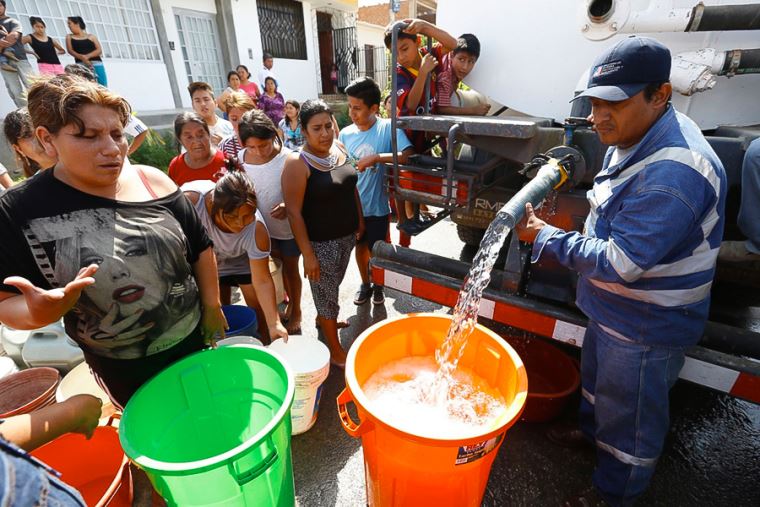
<point x="375" y="229"/>
<point x="235" y="280"/>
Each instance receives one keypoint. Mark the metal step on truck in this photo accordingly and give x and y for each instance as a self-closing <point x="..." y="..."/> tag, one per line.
<point x="530" y="67"/>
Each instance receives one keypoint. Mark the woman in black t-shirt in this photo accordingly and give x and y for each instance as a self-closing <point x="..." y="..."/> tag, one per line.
<point x="114" y="249"/>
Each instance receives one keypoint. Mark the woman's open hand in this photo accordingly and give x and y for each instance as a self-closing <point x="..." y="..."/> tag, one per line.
<point x="46" y="306"/>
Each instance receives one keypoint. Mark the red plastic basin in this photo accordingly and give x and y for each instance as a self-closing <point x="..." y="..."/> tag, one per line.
<point x="552" y="377"/>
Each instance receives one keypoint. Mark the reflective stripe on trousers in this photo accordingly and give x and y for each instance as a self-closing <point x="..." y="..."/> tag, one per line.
<point x="624" y="409"/>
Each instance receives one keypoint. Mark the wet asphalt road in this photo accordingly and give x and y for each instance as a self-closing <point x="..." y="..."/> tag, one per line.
<point x="712" y="454"/>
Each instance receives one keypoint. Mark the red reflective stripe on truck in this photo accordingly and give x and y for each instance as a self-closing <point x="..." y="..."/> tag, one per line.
<point x="720" y="378"/>
<point x="435" y="293"/>
<point x="747" y="387"/>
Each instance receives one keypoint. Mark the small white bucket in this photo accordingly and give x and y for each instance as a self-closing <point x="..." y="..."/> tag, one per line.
<point x="7" y="366"/>
<point x="310" y="360"/>
<point x="240" y="340"/>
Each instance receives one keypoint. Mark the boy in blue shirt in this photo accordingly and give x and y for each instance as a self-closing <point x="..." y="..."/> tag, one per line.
<point x="368" y="141"/>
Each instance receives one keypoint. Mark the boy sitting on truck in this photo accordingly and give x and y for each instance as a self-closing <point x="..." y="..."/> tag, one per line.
<point x="414" y="66"/>
<point x="455" y="66"/>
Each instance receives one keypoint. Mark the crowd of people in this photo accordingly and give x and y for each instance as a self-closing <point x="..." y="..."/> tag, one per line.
<point x="16" y="48"/>
<point x="138" y="263"/>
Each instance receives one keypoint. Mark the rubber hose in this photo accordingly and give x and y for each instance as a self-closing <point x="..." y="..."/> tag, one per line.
<point x="725" y="18"/>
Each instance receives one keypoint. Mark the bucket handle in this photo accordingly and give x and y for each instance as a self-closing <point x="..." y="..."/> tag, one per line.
<point x="123" y="472"/>
<point x="353" y="429"/>
<point x="260" y="467"/>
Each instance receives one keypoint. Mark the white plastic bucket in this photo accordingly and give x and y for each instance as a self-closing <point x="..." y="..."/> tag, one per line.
<point x="7" y="366"/>
<point x="310" y="360"/>
<point x="240" y="340"/>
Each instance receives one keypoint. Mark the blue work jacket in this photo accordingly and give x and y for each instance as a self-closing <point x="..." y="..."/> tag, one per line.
<point x="647" y="256"/>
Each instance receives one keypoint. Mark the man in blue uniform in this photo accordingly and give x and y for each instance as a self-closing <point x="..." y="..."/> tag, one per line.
<point x="645" y="260"/>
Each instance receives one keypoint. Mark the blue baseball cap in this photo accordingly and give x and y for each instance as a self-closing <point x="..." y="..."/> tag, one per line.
<point x="627" y="68"/>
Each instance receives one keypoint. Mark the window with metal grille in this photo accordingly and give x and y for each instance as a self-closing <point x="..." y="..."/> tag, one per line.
<point x="125" y="28"/>
<point x="282" y="28"/>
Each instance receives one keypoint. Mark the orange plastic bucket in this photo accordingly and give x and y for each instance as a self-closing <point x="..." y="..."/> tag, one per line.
<point x="97" y="468"/>
<point x="405" y="469"/>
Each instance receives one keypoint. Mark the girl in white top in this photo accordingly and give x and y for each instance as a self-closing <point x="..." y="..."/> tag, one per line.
<point x="227" y="209"/>
<point x="263" y="157"/>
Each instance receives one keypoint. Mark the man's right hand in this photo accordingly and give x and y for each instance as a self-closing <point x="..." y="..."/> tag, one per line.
<point x="46" y="306"/>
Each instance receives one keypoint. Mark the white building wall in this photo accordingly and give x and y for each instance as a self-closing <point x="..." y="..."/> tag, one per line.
<point x="145" y="84"/>
<point x="167" y="12"/>
<point x="297" y="78"/>
<point x="367" y="33"/>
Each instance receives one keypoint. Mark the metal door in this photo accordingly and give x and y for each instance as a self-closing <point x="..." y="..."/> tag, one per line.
<point x="199" y="42"/>
<point x="344" y="41"/>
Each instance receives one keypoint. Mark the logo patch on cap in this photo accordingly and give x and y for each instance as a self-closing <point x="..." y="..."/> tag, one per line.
<point x="608" y="68"/>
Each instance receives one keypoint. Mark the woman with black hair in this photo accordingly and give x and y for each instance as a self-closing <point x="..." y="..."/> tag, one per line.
<point x="85" y="48"/>
<point x="325" y="214"/>
<point x="229" y="211"/>
<point x="233" y="85"/>
<point x="201" y="160"/>
<point x="19" y="132"/>
<point x="271" y="101"/>
<point x="263" y="158"/>
<point x="248" y="86"/>
<point x="45" y="47"/>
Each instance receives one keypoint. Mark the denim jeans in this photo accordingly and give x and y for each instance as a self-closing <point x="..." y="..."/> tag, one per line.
<point x="100" y="73"/>
<point x="24" y="481"/>
<point x="749" y="212"/>
<point x="19" y="82"/>
<point x="624" y="409"/>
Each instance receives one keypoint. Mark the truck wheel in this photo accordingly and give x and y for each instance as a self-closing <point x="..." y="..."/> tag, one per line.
<point x="470" y="235"/>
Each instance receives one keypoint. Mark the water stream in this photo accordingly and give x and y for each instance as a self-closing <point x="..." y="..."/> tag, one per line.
<point x="466" y="310"/>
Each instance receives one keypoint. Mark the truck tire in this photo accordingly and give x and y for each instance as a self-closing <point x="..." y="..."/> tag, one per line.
<point x="470" y="235"/>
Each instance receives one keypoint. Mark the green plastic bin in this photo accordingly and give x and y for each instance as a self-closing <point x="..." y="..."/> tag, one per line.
<point x="214" y="429"/>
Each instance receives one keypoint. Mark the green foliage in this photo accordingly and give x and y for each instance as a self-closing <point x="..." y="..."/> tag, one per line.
<point x="341" y="116"/>
<point x="157" y="150"/>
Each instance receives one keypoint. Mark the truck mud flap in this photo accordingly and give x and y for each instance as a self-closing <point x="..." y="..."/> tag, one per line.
<point x="431" y="278"/>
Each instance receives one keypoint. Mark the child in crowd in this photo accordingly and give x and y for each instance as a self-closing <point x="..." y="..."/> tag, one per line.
<point x="368" y="141"/>
<point x="290" y="125"/>
<point x="414" y="66"/>
<point x="229" y="211"/>
<point x="202" y="96"/>
<point x="236" y="104"/>
<point x="456" y="65"/>
<point x="263" y="159"/>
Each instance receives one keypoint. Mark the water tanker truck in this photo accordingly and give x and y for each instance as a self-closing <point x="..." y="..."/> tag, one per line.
<point x="535" y="56"/>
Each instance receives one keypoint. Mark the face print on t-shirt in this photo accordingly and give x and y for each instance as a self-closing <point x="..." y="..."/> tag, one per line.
<point x="144" y="299"/>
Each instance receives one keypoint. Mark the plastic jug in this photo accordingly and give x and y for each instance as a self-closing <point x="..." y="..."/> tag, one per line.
<point x="50" y="346"/>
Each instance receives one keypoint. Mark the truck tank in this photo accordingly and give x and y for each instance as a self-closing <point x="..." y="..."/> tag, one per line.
<point x="532" y="62"/>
